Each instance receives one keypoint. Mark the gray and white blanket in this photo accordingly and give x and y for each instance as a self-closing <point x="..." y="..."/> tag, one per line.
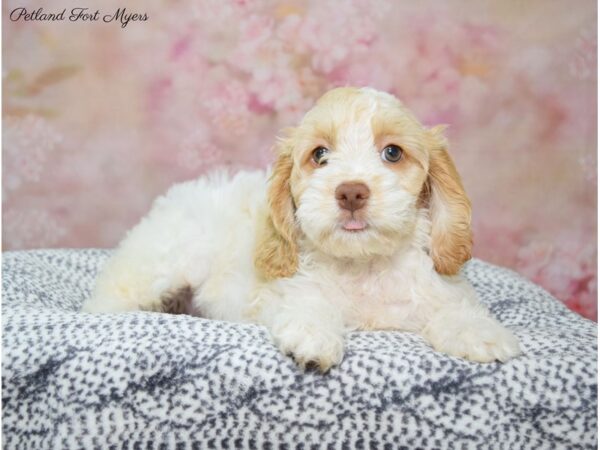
<point x="151" y="380"/>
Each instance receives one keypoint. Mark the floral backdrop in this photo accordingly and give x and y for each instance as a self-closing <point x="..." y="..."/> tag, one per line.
<point x="100" y="118"/>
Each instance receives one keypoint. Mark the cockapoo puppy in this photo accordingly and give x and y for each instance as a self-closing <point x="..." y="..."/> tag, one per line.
<point x="363" y="224"/>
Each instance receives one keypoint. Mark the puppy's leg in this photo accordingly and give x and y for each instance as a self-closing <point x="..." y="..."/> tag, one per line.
<point x="303" y="323"/>
<point x="457" y="324"/>
<point x="128" y="285"/>
<point x="146" y="273"/>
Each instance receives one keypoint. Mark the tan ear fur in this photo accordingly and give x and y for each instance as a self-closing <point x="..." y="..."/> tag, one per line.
<point x="450" y="209"/>
<point x="276" y="254"/>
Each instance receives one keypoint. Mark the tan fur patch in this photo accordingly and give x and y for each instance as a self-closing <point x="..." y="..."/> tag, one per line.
<point x="386" y="126"/>
<point x="451" y="238"/>
<point x="276" y="254"/>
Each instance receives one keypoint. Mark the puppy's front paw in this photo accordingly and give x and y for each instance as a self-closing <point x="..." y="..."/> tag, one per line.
<point x="473" y="337"/>
<point x="310" y="345"/>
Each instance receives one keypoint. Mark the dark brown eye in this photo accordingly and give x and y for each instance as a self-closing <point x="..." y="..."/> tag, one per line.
<point x="319" y="155"/>
<point x="392" y="153"/>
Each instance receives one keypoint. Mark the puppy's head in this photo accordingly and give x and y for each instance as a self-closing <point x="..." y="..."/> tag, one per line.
<point x="350" y="179"/>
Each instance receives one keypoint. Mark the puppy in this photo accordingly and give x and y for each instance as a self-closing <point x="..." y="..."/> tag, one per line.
<point x="363" y="224"/>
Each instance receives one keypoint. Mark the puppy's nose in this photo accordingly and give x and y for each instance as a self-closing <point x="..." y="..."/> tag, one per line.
<point x="352" y="196"/>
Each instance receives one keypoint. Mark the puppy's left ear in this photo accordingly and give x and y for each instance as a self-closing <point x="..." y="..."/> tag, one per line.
<point x="450" y="209"/>
<point x="276" y="254"/>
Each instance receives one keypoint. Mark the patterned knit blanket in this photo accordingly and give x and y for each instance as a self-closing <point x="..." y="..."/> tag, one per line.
<point x="151" y="380"/>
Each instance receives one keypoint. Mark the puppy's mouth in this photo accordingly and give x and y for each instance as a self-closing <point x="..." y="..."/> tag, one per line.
<point x="354" y="225"/>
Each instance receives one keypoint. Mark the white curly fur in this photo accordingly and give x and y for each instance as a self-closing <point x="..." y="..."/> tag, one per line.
<point x="204" y="234"/>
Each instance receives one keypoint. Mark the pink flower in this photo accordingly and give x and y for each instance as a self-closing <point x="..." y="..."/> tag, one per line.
<point x="196" y="153"/>
<point x="533" y="257"/>
<point x="584" y="59"/>
<point x="279" y="91"/>
<point x="29" y="228"/>
<point x="256" y="30"/>
<point x="27" y="143"/>
<point x="567" y="270"/>
<point x="226" y="106"/>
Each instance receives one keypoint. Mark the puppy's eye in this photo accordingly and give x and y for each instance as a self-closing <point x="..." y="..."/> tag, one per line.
<point x="319" y="155"/>
<point x="391" y="153"/>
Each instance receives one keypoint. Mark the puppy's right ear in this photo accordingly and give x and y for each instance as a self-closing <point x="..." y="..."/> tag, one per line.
<point x="276" y="254"/>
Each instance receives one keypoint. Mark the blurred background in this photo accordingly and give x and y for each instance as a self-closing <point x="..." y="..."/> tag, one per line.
<point x="100" y="119"/>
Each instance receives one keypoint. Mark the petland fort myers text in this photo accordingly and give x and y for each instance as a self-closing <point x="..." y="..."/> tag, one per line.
<point x="121" y="15"/>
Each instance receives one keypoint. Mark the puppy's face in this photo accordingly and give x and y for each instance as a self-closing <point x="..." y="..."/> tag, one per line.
<point x="350" y="180"/>
<point x="359" y="165"/>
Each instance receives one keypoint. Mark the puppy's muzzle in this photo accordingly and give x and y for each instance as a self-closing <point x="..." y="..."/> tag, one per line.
<point x="352" y="196"/>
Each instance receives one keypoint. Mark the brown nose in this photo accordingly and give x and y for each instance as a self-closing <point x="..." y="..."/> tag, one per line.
<point x="352" y="196"/>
